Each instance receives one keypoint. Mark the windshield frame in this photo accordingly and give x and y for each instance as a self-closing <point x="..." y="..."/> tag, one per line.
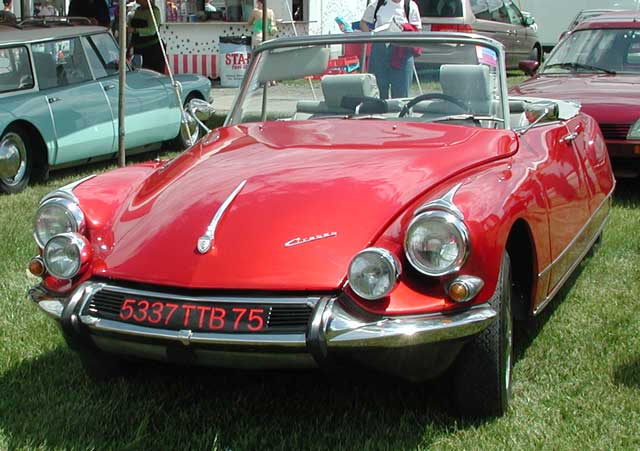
<point x="233" y="118"/>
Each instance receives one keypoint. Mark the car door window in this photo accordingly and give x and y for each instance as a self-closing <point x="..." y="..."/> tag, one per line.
<point x="60" y="63"/>
<point x="96" y="63"/>
<point x="15" y="69"/>
<point x="107" y="50"/>
<point x="515" y="17"/>
<point x="486" y="9"/>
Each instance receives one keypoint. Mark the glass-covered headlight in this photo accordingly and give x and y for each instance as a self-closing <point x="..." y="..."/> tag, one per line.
<point x="56" y="216"/>
<point x="634" y="132"/>
<point x="66" y="254"/>
<point x="374" y="273"/>
<point x="436" y="243"/>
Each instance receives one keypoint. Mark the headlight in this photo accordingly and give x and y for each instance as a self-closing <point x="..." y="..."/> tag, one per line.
<point x="437" y="243"/>
<point x="56" y="216"/>
<point x="374" y="273"/>
<point x="65" y="254"/>
<point x="634" y="132"/>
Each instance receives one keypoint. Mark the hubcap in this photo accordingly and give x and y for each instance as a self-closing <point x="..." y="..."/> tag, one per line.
<point x="13" y="159"/>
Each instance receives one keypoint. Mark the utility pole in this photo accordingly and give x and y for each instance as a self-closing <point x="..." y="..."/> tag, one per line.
<point x="122" y="77"/>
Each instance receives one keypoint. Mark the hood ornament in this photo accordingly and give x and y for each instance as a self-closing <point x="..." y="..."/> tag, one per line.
<point x="205" y="242"/>
<point x="298" y="240"/>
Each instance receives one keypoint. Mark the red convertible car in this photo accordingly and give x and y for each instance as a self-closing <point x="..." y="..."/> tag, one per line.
<point x="598" y="65"/>
<point x="328" y="225"/>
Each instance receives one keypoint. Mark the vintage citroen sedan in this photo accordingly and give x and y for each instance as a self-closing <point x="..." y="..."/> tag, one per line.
<point x="59" y="100"/>
<point x="326" y="225"/>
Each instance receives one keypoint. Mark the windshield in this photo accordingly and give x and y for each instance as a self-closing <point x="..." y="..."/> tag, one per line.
<point x="596" y="51"/>
<point x="421" y="81"/>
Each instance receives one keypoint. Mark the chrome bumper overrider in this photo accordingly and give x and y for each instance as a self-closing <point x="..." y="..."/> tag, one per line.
<point x="332" y="329"/>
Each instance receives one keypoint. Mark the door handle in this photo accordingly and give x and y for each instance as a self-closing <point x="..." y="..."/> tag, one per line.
<point x="53" y="99"/>
<point x="108" y="87"/>
<point x="569" y="138"/>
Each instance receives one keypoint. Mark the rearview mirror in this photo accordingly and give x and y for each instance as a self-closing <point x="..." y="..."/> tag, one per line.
<point x="201" y="111"/>
<point x="529" y="67"/>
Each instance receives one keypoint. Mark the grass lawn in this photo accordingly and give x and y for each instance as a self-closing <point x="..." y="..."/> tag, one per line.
<point x="576" y="379"/>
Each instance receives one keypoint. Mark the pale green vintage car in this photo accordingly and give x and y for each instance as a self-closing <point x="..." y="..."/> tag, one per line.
<point x="59" y="101"/>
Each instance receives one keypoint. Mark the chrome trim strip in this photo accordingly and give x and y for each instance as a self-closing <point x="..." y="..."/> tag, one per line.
<point x="345" y="331"/>
<point x="188" y="337"/>
<point x="444" y="203"/>
<point x="66" y="192"/>
<point x="573" y="241"/>
<point x="205" y="242"/>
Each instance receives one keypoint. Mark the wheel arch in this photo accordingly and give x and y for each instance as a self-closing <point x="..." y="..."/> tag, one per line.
<point x="521" y="248"/>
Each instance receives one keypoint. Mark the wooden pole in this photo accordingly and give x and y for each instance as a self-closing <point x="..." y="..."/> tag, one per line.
<point x="265" y="30"/>
<point x="122" y="78"/>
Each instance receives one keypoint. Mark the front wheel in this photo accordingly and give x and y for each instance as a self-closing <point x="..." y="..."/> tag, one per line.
<point x="536" y="54"/>
<point x="15" y="160"/>
<point x="482" y="372"/>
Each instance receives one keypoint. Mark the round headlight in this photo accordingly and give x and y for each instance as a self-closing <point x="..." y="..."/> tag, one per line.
<point x="65" y="254"/>
<point x="437" y="243"/>
<point x="374" y="273"/>
<point x="56" y="216"/>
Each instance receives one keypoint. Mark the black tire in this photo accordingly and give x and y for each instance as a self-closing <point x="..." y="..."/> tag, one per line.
<point x="18" y="139"/>
<point x="181" y="141"/>
<point x="536" y="54"/>
<point x="483" y="370"/>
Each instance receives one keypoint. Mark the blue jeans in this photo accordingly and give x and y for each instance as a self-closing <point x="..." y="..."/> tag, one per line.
<point x="387" y="77"/>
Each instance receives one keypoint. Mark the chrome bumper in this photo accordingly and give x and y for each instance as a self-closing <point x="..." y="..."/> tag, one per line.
<point x="333" y="330"/>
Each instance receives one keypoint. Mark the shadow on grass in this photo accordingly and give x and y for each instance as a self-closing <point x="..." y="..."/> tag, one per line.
<point x="49" y="402"/>
<point x="627" y="193"/>
<point x="628" y="374"/>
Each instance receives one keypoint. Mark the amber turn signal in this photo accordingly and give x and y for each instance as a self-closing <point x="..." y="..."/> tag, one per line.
<point x="464" y="288"/>
<point x="36" y="267"/>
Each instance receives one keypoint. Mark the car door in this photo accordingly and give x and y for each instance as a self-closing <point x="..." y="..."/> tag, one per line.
<point x="523" y="42"/>
<point x="82" y="120"/>
<point x="152" y="112"/>
<point x="492" y="20"/>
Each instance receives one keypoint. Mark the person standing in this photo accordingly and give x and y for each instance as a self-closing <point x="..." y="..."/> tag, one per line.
<point x="96" y="11"/>
<point x="7" y="15"/>
<point x="258" y="28"/>
<point x="144" y="40"/>
<point x="392" y="73"/>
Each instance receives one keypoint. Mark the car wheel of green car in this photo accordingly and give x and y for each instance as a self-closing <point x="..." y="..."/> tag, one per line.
<point x="191" y="133"/>
<point x="483" y="370"/>
<point x="15" y="160"/>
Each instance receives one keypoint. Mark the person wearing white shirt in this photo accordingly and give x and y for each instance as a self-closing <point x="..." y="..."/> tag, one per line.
<point x="394" y="13"/>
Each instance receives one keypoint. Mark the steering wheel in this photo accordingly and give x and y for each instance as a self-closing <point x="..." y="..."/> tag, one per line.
<point x="432" y="96"/>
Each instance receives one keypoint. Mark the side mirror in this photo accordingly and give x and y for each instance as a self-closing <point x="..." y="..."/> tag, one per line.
<point x="529" y="67"/>
<point x="537" y="112"/>
<point x="201" y="111"/>
<point x="528" y="21"/>
<point x="136" y="62"/>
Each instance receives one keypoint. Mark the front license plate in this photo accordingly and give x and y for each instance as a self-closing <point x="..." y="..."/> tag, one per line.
<point x="217" y="317"/>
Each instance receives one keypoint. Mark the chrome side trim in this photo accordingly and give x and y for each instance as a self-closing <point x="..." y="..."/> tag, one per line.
<point x="578" y="235"/>
<point x="205" y="242"/>
<point x="444" y="203"/>
<point x="66" y="192"/>
<point x="345" y="331"/>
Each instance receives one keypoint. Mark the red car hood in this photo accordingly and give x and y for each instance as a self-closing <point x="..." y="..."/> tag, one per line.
<point x="344" y="184"/>
<point x="610" y="99"/>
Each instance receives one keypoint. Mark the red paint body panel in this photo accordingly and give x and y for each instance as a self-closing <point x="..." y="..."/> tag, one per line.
<point x="359" y="179"/>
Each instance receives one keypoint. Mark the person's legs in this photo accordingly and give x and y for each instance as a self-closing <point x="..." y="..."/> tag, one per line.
<point x="379" y="66"/>
<point x="401" y="79"/>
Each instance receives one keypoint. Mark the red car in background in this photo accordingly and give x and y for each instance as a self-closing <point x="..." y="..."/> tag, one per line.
<point x="598" y="65"/>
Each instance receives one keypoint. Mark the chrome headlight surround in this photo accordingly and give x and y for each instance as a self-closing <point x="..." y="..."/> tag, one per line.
<point x="388" y="265"/>
<point x="458" y="231"/>
<point x="71" y="212"/>
<point x="634" y="132"/>
<point x="65" y="255"/>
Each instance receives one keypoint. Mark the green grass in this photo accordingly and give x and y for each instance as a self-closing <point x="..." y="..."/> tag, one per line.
<point x="576" y="379"/>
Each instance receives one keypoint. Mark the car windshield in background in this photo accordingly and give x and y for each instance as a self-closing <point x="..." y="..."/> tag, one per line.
<point x="461" y="83"/>
<point x="15" y="69"/>
<point x="440" y="8"/>
<point x="606" y="51"/>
